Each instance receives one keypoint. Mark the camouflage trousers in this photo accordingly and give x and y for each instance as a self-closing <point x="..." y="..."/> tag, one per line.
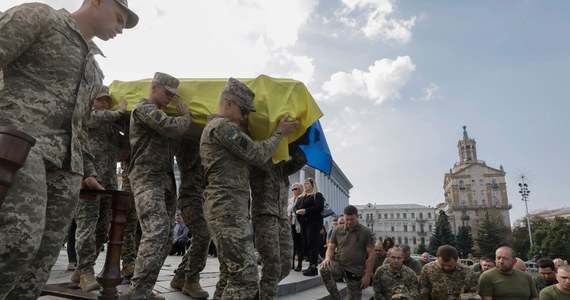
<point x="274" y="242"/>
<point x="335" y="272"/>
<point x="233" y="236"/>
<point x="156" y="207"/>
<point x="34" y="220"/>
<point x="131" y="238"/>
<point x="194" y="261"/>
<point x="93" y="219"/>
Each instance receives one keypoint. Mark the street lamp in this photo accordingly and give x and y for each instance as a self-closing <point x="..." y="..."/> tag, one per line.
<point x="524" y="193"/>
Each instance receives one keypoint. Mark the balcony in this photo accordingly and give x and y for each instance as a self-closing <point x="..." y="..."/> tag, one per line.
<point x="421" y="220"/>
<point x="422" y="233"/>
<point x="369" y="221"/>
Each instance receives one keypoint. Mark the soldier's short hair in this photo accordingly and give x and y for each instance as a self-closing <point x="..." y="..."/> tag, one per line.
<point x="487" y="259"/>
<point x="405" y="248"/>
<point x="350" y="210"/>
<point x="544" y="263"/>
<point x="447" y="252"/>
<point x="395" y="249"/>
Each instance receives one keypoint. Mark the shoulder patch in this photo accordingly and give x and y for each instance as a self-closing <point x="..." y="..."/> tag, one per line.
<point x="234" y="135"/>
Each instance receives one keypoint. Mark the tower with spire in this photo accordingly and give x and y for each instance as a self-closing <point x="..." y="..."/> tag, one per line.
<point x="471" y="189"/>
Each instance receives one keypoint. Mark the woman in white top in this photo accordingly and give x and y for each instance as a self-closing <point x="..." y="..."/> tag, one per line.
<point x="297" y="190"/>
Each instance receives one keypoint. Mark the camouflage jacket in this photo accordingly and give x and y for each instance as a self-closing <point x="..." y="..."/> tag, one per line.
<point x="105" y="141"/>
<point x="388" y="282"/>
<point x="227" y="153"/>
<point x="438" y="284"/>
<point x="270" y="185"/>
<point x="152" y="148"/>
<point x="50" y="76"/>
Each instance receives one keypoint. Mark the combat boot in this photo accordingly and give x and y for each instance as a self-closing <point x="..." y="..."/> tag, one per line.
<point x="194" y="290"/>
<point x="75" y="276"/>
<point x="87" y="282"/>
<point x="178" y="281"/>
<point x="154" y="296"/>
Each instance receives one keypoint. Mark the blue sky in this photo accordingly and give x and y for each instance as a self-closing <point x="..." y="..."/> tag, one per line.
<point x="396" y="80"/>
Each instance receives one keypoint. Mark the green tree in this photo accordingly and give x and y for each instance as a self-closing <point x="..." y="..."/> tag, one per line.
<point x="491" y="235"/>
<point x="422" y="248"/>
<point x="464" y="241"/>
<point x="520" y="235"/>
<point x="442" y="234"/>
<point x="538" y="237"/>
<point x="557" y="242"/>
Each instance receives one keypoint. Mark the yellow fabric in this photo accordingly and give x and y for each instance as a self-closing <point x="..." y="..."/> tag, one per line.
<point x="274" y="97"/>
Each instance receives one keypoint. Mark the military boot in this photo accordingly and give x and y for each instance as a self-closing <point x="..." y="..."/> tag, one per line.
<point x="128" y="270"/>
<point x="75" y="276"/>
<point x="178" y="281"/>
<point x="194" y="290"/>
<point x="87" y="281"/>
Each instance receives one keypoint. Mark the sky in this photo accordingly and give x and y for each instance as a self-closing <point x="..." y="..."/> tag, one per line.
<point x="396" y="80"/>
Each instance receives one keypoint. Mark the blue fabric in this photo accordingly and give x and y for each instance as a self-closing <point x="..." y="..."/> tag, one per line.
<point x="317" y="151"/>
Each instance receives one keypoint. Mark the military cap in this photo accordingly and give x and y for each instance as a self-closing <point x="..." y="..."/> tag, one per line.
<point x="244" y="96"/>
<point x="104" y="93"/>
<point x="132" y="19"/>
<point x="168" y="82"/>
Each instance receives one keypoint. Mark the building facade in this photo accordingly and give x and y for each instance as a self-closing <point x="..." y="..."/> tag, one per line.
<point x="409" y="224"/>
<point x="472" y="189"/>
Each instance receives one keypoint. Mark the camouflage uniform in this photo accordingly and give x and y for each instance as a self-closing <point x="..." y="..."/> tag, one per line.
<point x="227" y="153"/>
<point x="438" y="284"/>
<point x="388" y="282"/>
<point x="152" y="181"/>
<point x="50" y="75"/>
<point x="273" y="239"/>
<point x="191" y="204"/>
<point x="104" y="140"/>
<point x="130" y="238"/>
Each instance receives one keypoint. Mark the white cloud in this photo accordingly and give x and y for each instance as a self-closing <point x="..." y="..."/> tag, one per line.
<point x="382" y="81"/>
<point x="378" y="21"/>
<point x="428" y="93"/>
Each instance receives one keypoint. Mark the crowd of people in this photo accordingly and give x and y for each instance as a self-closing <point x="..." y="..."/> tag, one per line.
<point x="355" y="258"/>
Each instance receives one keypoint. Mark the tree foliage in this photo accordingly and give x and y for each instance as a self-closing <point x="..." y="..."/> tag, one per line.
<point x="556" y="243"/>
<point x="442" y="234"/>
<point x="464" y="241"/>
<point x="491" y="235"/>
<point x="520" y="235"/>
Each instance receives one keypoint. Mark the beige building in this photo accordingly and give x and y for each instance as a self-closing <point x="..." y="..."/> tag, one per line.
<point x="409" y="224"/>
<point x="473" y="188"/>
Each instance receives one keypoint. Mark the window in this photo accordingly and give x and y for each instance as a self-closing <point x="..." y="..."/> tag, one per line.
<point x="379" y="216"/>
<point x="474" y="193"/>
<point x="421" y="215"/>
<point x="398" y="215"/>
<point x="392" y="216"/>
<point x="429" y="215"/>
<point x="483" y="202"/>
<point x="400" y="240"/>
<point x="360" y="216"/>
<point x="495" y="193"/>
<point x="475" y="203"/>
<point x="405" y="216"/>
<point x="392" y="228"/>
<point x="463" y="203"/>
<point x="422" y="228"/>
<point x="385" y="216"/>
<point x="480" y="181"/>
<point x="496" y="202"/>
<point x="413" y="215"/>
<point x="430" y="228"/>
<point x="413" y="227"/>
<point x="405" y="227"/>
<point x="414" y="240"/>
<point x="462" y="194"/>
<point x="461" y="184"/>
<point x="482" y="192"/>
<point x="406" y="240"/>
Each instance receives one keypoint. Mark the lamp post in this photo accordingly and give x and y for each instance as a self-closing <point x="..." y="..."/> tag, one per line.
<point x="524" y="194"/>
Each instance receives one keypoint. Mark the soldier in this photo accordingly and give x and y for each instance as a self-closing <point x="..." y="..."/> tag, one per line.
<point x="394" y="280"/>
<point x="50" y="75"/>
<point x="498" y="282"/>
<point x="546" y="274"/>
<point x="227" y="153"/>
<point x="380" y="256"/>
<point x="560" y="290"/>
<point x="445" y="278"/>
<point x="152" y="178"/>
<point x="424" y="259"/>
<point x="350" y="256"/>
<point x="408" y="261"/>
<point x="191" y="204"/>
<point x="94" y="217"/>
<point x="273" y="239"/>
